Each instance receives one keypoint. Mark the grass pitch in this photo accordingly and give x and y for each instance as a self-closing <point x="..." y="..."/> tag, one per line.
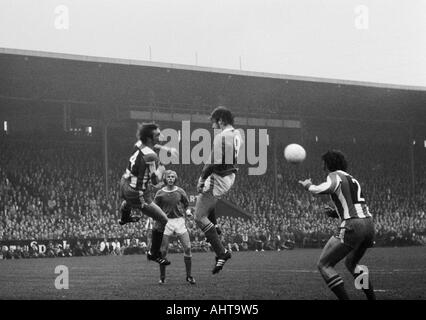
<point x="397" y="273"/>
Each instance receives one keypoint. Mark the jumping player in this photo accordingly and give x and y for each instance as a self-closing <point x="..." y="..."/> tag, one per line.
<point x="356" y="229"/>
<point x="143" y="171"/>
<point x="174" y="202"/>
<point x="217" y="178"/>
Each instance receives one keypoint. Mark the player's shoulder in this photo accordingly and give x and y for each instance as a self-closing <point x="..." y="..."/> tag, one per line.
<point x="227" y="133"/>
<point x="338" y="175"/>
<point x="159" y="192"/>
<point x="180" y="190"/>
<point x="149" y="154"/>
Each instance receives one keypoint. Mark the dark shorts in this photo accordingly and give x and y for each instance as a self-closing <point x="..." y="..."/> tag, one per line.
<point x="132" y="196"/>
<point x="357" y="232"/>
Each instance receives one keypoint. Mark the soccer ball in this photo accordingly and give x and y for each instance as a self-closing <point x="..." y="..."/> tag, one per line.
<point x="294" y="153"/>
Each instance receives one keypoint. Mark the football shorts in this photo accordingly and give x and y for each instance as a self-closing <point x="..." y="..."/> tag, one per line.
<point x="218" y="185"/>
<point x="132" y="196"/>
<point x="175" y="225"/>
<point x="357" y="232"/>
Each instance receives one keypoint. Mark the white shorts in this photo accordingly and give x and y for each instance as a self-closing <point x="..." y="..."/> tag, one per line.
<point x="175" y="225"/>
<point x="218" y="185"/>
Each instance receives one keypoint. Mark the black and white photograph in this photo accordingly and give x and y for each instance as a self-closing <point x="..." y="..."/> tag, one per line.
<point x="219" y="150"/>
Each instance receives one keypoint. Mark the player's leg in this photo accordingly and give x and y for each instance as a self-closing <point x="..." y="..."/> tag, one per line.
<point x="212" y="218"/>
<point x="205" y="202"/>
<point x="164" y="248"/>
<point x="333" y="252"/>
<point x="363" y="239"/>
<point x="152" y="210"/>
<point x="149" y="239"/>
<point x="125" y="210"/>
<point x="351" y="262"/>
<point x="131" y="200"/>
<point x="156" y="239"/>
<point x="160" y="220"/>
<point x="154" y="254"/>
<point x="187" y="256"/>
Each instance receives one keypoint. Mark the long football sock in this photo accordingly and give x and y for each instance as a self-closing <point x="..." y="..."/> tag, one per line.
<point x="212" y="236"/>
<point x="188" y="264"/>
<point x="157" y="238"/>
<point x="212" y="218"/>
<point x="369" y="293"/>
<point x="336" y="285"/>
<point x="162" y="272"/>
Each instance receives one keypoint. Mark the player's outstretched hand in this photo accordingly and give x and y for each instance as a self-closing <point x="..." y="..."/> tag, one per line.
<point x="330" y="212"/>
<point x="306" y="183"/>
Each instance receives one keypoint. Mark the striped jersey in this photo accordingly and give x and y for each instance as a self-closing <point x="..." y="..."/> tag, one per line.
<point x="141" y="167"/>
<point x="226" y="146"/>
<point x="346" y="193"/>
<point x="173" y="202"/>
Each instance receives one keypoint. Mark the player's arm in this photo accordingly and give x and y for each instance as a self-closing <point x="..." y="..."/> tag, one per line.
<point x="331" y="212"/>
<point x="155" y="171"/>
<point x="173" y="151"/>
<point x="327" y="187"/>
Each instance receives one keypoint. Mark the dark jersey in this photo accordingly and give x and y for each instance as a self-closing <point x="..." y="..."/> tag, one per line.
<point x="346" y="194"/>
<point x="141" y="167"/>
<point x="173" y="202"/>
<point x="226" y="146"/>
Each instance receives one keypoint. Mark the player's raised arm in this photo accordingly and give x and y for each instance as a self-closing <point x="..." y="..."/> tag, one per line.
<point x="326" y="187"/>
<point x="156" y="169"/>
<point x="174" y="152"/>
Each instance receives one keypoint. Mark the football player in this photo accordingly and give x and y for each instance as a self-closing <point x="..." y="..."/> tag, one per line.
<point x="142" y="172"/>
<point x="217" y="178"/>
<point x="174" y="202"/>
<point x="356" y="231"/>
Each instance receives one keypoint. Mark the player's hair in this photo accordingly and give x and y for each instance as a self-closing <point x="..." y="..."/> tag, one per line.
<point x="335" y="160"/>
<point x="166" y="173"/>
<point x="222" y="113"/>
<point x="145" y="131"/>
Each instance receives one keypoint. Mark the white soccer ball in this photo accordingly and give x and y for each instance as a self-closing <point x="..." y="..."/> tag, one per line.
<point x="294" y="153"/>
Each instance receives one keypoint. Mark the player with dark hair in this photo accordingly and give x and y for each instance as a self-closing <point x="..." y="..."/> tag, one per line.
<point x="217" y="178"/>
<point x="174" y="202"/>
<point x="143" y="171"/>
<point x="356" y="233"/>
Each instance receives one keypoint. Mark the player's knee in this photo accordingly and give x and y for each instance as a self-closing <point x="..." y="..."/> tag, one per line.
<point x="124" y="206"/>
<point x="187" y="251"/>
<point x="322" y="264"/>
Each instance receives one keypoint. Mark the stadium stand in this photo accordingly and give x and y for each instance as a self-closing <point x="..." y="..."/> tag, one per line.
<point x="52" y="193"/>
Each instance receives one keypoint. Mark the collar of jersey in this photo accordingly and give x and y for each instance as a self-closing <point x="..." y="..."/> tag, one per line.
<point x="227" y="129"/>
<point x="342" y="171"/>
<point x="141" y="147"/>
<point x="166" y="190"/>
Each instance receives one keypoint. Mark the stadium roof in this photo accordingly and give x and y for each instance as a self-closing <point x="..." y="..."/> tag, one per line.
<point x="36" y="78"/>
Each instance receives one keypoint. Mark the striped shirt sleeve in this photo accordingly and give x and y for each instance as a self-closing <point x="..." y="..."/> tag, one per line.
<point x="327" y="187"/>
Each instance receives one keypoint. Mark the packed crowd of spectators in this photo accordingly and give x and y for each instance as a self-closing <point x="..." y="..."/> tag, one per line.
<point x="53" y="190"/>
